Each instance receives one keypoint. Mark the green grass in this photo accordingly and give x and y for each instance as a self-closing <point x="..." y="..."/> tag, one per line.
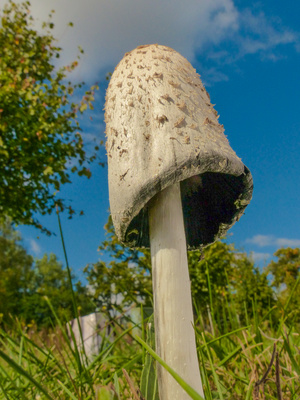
<point x="236" y="365"/>
<point x="257" y="360"/>
<point x="38" y="366"/>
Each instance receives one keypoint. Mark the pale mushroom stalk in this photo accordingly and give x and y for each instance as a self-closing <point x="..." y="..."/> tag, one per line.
<point x="173" y="314"/>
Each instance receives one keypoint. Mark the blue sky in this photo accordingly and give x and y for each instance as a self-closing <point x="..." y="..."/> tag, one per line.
<point x="248" y="56"/>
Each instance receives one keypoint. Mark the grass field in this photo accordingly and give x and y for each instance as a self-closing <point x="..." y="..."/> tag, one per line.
<point x="257" y="361"/>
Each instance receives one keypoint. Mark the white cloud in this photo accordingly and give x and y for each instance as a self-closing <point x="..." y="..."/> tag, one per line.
<point x="34" y="247"/>
<point x="270" y="240"/>
<point x="106" y="29"/>
<point x="261" y="240"/>
<point x="213" y="75"/>
<point x="257" y="256"/>
<point x="260" y="34"/>
<point x="288" y="242"/>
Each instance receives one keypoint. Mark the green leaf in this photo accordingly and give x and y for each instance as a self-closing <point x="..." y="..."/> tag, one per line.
<point x="48" y="170"/>
<point x="83" y="107"/>
<point x="189" y="390"/>
<point x="24" y="373"/>
<point x="149" y="385"/>
<point x="287" y="346"/>
<point x="117" y="385"/>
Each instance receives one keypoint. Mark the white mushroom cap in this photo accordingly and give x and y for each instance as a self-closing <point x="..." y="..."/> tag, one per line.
<point x="161" y="128"/>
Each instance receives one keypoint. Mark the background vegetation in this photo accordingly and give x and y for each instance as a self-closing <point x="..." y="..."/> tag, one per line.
<point x="221" y="275"/>
<point x="246" y="323"/>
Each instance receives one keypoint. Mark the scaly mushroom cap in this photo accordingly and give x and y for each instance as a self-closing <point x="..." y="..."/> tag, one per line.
<point x="161" y="128"/>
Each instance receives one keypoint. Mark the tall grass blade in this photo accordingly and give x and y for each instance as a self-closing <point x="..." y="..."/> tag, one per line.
<point x="108" y="350"/>
<point x="189" y="390"/>
<point x="128" y="365"/>
<point x="21" y="350"/>
<point x="231" y="306"/>
<point x="143" y="331"/>
<point x="258" y="337"/>
<point x="295" y="365"/>
<point x="82" y="370"/>
<point x="229" y="356"/>
<point x="210" y="309"/>
<point x="204" y="377"/>
<point x="282" y="320"/>
<point x="71" y="288"/>
<point x="216" y="379"/>
<point x="117" y="385"/>
<point x="3" y="390"/>
<point x="149" y="385"/>
<point x="18" y="369"/>
<point x="246" y="313"/>
<point x="226" y="335"/>
<point x="66" y="390"/>
<point x="74" y="351"/>
<point x="249" y="392"/>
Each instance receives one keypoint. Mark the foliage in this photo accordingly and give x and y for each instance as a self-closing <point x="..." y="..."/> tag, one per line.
<point x="51" y="280"/>
<point x="217" y="278"/>
<point x="122" y="281"/>
<point x="239" y="363"/>
<point x="24" y="283"/>
<point x="34" y="365"/>
<point x="234" y="365"/>
<point x="15" y="271"/>
<point x="286" y="269"/>
<point x="251" y="288"/>
<point x="286" y="275"/>
<point x="209" y="274"/>
<point x="40" y="139"/>
<point x="149" y="384"/>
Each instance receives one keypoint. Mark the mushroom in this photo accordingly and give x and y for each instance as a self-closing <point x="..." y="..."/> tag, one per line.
<point x="174" y="183"/>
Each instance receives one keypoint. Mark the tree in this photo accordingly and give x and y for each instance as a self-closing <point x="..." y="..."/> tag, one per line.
<point x="227" y="280"/>
<point x="251" y="289"/>
<point x="124" y="280"/>
<point x="286" y="275"/>
<point x="15" y="271"/>
<point x="209" y="274"/>
<point x="221" y="278"/>
<point x="24" y="283"/>
<point x="50" y="279"/>
<point x="40" y="139"/>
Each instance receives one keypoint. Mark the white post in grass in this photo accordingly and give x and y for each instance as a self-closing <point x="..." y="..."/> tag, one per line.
<point x="174" y="332"/>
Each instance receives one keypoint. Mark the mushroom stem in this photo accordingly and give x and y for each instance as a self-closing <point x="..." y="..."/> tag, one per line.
<point x="173" y="314"/>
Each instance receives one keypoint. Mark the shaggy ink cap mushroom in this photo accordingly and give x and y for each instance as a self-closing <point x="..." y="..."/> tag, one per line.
<point x="161" y="129"/>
